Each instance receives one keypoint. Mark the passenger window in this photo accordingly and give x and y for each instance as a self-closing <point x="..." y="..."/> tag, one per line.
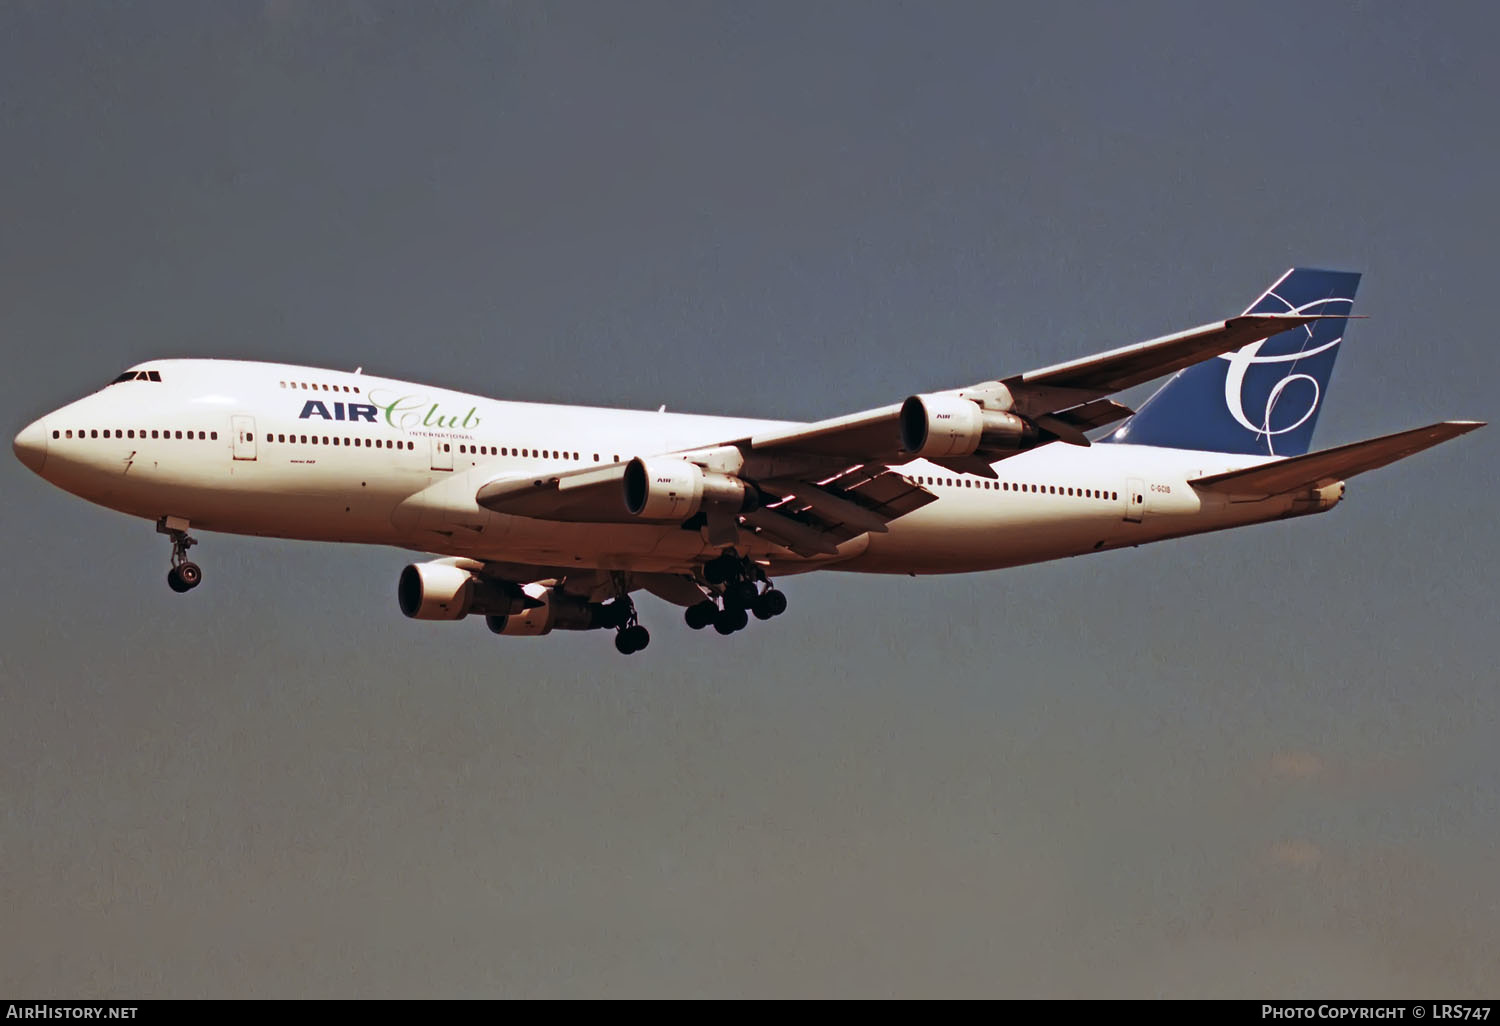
<point x="596" y="457"/>
<point x="445" y="446"/>
<point x="213" y="436"/>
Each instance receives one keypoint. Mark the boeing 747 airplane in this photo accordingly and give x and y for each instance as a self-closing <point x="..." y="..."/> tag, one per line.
<point x="549" y="517"/>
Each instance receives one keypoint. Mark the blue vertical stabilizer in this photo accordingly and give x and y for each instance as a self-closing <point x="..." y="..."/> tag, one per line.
<point x="1263" y="399"/>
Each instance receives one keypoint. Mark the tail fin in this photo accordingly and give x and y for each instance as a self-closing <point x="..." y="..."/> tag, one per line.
<point x="1263" y="399"/>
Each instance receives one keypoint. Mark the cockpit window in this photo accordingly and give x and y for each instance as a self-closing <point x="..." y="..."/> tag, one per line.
<point x="137" y="376"/>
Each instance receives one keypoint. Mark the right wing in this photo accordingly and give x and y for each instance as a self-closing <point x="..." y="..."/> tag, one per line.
<point x="1316" y="469"/>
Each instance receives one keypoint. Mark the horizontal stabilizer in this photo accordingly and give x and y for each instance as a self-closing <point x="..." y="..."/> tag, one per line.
<point x="1316" y="469"/>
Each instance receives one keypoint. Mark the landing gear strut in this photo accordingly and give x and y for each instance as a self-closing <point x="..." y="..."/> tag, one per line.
<point x="620" y="614"/>
<point x="738" y="581"/>
<point x="185" y="575"/>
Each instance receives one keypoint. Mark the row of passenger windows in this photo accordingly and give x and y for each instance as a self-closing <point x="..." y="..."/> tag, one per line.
<point x="137" y="376"/>
<point x="1012" y="486"/>
<point x="353" y="443"/>
<point x="131" y="433"/>
<point x="505" y="450"/>
<point x="319" y="388"/>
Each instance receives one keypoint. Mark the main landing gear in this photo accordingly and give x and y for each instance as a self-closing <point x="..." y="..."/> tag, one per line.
<point x="620" y="614"/>
<point x="738" y="582"/>
<point x="185" y="575"/>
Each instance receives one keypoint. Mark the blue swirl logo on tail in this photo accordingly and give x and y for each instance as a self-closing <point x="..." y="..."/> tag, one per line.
<point x="1263" y="399"/>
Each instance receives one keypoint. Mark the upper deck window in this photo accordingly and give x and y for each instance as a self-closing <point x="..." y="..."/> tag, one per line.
<point x="137" y="376"/>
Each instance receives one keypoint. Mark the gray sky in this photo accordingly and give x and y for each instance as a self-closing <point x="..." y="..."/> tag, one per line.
<point x="1252" y="764"/>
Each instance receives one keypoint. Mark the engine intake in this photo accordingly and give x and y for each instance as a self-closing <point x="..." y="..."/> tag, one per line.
<point x="935" y="426"/>
<point x="664" y="490"/>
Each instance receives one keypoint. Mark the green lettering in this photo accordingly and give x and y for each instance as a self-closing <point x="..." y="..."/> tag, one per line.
<point x="399" y="411"/>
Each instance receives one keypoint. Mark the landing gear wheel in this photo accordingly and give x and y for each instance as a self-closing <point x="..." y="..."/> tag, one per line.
<point x="741" y="595"/>
<point x="774" y="601"/>
<point x="730" y="619"/>
<point x="632" y="639"/>
<point x="184" y="577"/>
<point x="615" y="614"/>
<point x="700" y="615"/>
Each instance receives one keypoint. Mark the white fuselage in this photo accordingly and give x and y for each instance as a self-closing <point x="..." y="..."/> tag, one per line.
<point x="296" y="452"/>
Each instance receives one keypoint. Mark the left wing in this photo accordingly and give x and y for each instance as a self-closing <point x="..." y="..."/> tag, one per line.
<point x="810" y="487"/>
<point x="1061" y="401"/>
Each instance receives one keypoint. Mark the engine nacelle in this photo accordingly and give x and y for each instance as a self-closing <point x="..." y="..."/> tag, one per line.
<point x="442" y="591"/>
<point x="664" y="490"/>
<point x="556" y="613"/>
<point x="935" y="426"/>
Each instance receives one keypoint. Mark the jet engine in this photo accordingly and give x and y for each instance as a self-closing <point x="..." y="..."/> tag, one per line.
<point x="935" y="426"/>
<point x="443" y="591"/>
<point x="552" y="612"/>
<point x="664" y="490"/>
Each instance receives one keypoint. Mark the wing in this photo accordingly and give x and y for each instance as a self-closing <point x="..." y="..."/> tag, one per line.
<point x="1316" y="469"/>
<point x="1065" y="399"/>
<point x="810" y="487"/>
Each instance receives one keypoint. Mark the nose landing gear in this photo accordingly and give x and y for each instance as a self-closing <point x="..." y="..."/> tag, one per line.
<point x="185" y="575"/>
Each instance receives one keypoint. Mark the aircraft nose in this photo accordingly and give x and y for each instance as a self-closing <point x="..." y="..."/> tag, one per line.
<point x="31" y="445"/>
